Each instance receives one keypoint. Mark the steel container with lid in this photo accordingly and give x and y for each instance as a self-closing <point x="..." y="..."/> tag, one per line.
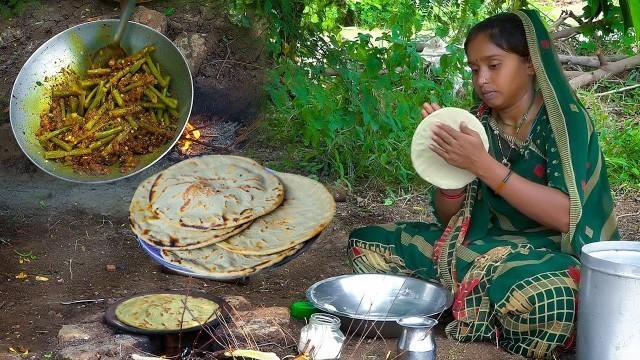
<point x="608" y="311"/>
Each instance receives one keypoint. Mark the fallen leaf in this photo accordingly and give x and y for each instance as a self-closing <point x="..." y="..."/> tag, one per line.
<point x="18" y="350"/>
<point x="22" y="275"/>
<point x="42" y="278"/>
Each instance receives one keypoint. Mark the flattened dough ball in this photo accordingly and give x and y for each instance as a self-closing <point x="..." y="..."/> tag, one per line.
<point x="429" y="165"/>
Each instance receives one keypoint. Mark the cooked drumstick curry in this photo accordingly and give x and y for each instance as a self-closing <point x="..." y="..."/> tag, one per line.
<point x="110" y="115"/>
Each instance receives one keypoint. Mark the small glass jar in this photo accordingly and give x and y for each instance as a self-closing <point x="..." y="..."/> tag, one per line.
<point x="321" y="338"/>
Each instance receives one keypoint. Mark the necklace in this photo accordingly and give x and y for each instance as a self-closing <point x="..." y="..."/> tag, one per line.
<point x="518" y="126"/>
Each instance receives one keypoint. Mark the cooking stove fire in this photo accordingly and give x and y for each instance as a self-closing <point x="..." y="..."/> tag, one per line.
<point x="205" y="134"/>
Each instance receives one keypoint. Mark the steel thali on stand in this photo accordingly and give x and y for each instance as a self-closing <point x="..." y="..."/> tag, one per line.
<point x="170" y="267"/>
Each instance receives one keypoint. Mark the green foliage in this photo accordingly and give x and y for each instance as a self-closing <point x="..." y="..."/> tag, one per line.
<point x="631" y="15"/>
<point x="370" y="14"/>
<point x="618" y="16"/>
<point x="618" y="126"/>
<point x="348" y="109"/>
<point x="355" y="107"/>
<point x="452" y="19"/>
<point x="10" y="7"/>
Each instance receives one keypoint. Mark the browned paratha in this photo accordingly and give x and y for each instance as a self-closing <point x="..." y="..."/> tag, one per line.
<point x="306" y="210"/>
<point x="214" y="192"/>
<point x="162" y="233"/>
<point x="219" y="264"/>
<point x="166" y="311"/>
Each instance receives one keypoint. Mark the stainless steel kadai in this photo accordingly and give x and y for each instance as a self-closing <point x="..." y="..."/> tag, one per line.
<point x="72" y="48"/>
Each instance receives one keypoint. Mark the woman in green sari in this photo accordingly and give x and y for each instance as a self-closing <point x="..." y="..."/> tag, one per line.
<point x="509" y="251"/>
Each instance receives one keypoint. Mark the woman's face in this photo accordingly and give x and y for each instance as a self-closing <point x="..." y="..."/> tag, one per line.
<point x="500" y="78"/>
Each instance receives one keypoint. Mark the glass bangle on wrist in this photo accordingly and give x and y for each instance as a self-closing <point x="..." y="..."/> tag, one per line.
<point x="503" y="182"/>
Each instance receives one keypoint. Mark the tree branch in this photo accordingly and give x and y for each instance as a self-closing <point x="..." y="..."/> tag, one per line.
<point x="588" y="61"/>
<point x="570" y="31"/>
<point x="618" y="90"/>
<point x="604" y="72"/>
<point x="572" y="74"/>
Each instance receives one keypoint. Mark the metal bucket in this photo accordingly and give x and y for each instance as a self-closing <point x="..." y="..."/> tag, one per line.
<point x="608" y="311"/>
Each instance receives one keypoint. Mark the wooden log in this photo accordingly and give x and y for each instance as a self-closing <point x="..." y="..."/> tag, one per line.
<point x="604" y="72"/>
<point x="588" y="61"/>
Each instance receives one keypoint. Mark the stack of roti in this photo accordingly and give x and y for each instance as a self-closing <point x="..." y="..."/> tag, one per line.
<point x="226" y="217"/>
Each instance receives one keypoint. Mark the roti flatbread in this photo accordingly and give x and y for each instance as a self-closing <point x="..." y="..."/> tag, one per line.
<point x="166" y="311"/>
<point x="162" y="233"/>
<point x="429" y="165"/>
<point x="214" y="191"/>
<point x="306" y="210"/>
<point x="218" y="263"/>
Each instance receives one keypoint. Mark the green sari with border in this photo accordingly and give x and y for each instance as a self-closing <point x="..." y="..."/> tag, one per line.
<point x="514" y="281"/>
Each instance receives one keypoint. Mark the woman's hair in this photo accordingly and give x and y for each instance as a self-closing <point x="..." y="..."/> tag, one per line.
<point x="505" y="31"/>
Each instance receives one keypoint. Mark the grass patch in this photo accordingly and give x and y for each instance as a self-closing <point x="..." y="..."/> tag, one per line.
<point x="615" y="117"/>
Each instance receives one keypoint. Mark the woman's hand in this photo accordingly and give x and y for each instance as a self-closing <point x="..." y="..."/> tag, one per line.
<point x="463" y="149"/>
<point x="428" y="108"/>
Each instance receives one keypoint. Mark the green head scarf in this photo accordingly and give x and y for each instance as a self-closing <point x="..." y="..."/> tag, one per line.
<point x="591" y="217"/>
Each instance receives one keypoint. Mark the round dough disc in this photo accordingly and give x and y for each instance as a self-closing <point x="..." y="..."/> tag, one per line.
<point x="429" y="165"/>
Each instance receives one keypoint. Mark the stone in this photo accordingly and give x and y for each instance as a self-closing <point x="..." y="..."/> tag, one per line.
<point x="92" y="339"/>
<point x="9" y="35"/>
<point x="152" y="18"/>
<point x="237" y="303"/>
<point x="339" y="193"/>
<point x="194" y="48"/>
<point x="72" y="333"/>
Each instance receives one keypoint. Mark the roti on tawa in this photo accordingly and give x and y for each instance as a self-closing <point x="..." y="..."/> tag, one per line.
<point x="214" y="191"/>
<point x="162" y="233"/>
<point x="306" y="210"/>
<point x="166" y="311"/>
<point x="218" y="263"/>
<point x="429" y="165"/>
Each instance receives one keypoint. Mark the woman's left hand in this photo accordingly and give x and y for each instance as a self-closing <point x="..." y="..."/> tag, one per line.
<point x="463" y="149"/>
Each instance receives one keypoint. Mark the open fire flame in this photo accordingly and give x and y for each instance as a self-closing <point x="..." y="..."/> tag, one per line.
<point x="190" y="134"/>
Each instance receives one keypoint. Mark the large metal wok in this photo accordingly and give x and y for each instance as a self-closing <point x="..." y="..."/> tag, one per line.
<point x="71" y="48"/>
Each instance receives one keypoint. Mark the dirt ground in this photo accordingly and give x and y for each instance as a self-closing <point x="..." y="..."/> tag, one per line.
<point x="75" y="230"/>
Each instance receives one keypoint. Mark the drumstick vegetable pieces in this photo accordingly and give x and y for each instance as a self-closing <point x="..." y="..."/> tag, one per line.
<point x="172" y="103"/>
<point x="154" y="71"/>
<point x="57" y="154"/>
<point x="109" y="115"/>
<point x="54" y="133"/>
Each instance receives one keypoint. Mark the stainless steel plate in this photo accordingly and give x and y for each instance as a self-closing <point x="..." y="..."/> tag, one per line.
<point x="181" y="270"/>
<point x="370" y="304"/>
<point x="70" y="49"/>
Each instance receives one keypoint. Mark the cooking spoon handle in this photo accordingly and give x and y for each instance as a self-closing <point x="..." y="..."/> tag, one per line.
<point x="124" y="18"/>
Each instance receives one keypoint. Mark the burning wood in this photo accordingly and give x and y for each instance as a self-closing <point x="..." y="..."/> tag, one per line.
<point x="190" y="134"/>
<point x="206" y="134"/>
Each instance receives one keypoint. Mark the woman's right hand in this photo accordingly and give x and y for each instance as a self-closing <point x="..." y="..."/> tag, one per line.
<point x="428" y="108"/>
